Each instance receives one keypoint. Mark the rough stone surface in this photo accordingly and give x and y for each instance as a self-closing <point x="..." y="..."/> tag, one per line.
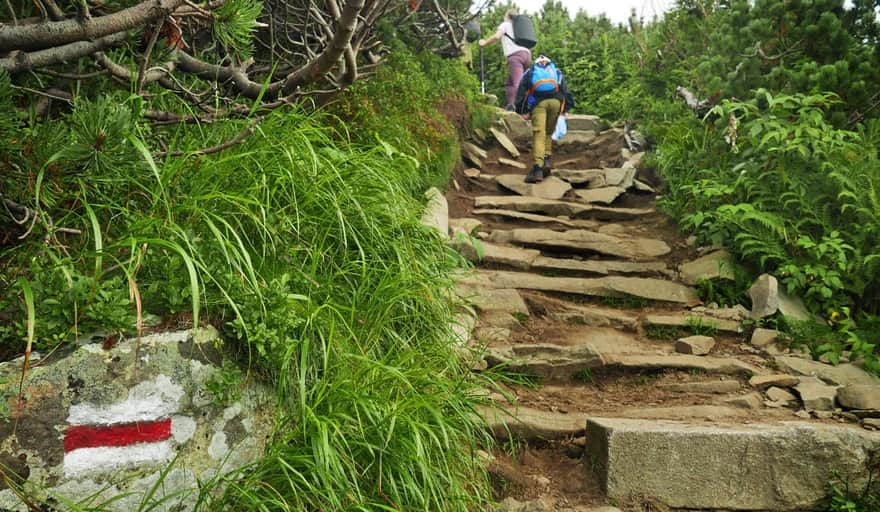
<point x="843" y="374"/>
<point x="550" y="188"/>
<point x="747" y="401"/>
<point x="857" y="396"/>
<point x="685" y="320"/>
<point x="505" y="142"/>
<point x="816" y="395"/>
<point x="512" y="163"/>
<point x="615" y="176"/>
<point x="533" y="217"/>
<point x="531" y="424"/>
<point x="763" y="337"/>
<point x="765" y="296"/>
<point x="604" y="195"/>
<point x="779" y="380"/>
<point x="518" y="129"/>
<point x="721" y="365"/>
<point x="585" y="122"/>
<point x="718" y="387"/>
<point x="641" y="186"/>
<point x="576" y="139"/>
<point x="780" y="395"/>
<point x="608" y="213"/>
<point x="92" y="386"/>
<point x="715" y="265"/>
<point x="582" y="176"/>
<point x="603" y="267"/>
<point x="696" y="345"/>
<point x="793" y="307"/>
<point x="465" y="226"/>
<point x="487" y="252"/>
<point x="552" y="362"/>
<point x="648" y="288"/>
<point x="532" y="204"/>
<point x="507" y="300"/>
<point x="748" y="467"/>
<point x="584" y="240"/>
<point x="436" y="211"/>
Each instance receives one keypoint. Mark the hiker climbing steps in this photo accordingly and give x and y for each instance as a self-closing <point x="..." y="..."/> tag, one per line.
<point x="625" y="386"/>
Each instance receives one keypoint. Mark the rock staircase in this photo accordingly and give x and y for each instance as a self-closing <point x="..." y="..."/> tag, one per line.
<point x="624" y="388"/>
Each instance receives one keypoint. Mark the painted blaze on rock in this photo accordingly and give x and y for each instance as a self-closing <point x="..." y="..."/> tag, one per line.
<point x="93" y="421"/>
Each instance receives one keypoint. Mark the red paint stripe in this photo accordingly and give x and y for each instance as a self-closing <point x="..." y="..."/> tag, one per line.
<point x="92" y="436"/>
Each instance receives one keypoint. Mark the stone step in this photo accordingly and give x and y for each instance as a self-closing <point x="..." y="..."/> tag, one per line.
<point x="631" y="248"/>
<point x="692" y="320"/>
<point x="554" y="207"/>
<point x="842" y="375"/>
<point x="530" y="424"/>
<point x="608" y="286"/>
<point x="708" y="364"/>
<point x="602" y="195"/>
<point x="532" y="217"/>
<point x="602" y="267"/>
<point x="756" y="466"/>
<point x="550" y="188"/>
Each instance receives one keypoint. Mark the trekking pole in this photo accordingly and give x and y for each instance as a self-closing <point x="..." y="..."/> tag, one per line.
<point x="482" y="74"/>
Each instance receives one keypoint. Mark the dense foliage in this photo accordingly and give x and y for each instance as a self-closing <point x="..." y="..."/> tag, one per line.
<point x="302" y="243"/>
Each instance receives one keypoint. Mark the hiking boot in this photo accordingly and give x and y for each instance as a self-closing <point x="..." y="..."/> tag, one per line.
<point x="510" y="108"/>
<point x="536" y="175"/>
<point x="546" y="168"/>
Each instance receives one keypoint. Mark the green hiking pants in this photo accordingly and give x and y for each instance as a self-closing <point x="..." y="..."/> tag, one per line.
<point x="543" y="123"/>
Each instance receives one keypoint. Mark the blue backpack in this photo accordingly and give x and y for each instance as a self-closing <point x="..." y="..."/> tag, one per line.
<point x="545" y="80"/>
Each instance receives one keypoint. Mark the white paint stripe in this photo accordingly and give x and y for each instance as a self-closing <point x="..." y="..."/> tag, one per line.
<point x="102" y="459"/>
<point x="148" y="401"/>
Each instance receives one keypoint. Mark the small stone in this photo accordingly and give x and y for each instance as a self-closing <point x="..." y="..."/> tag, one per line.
<point x="803" y="414"/>
<point x="472" y="172"/>
<point x="763" y="337"/>
<point x="780" y="380"/>
<point x="765" y="296"/>
<point x="823" y="415"/>
<point x="696" y="345"/>
<point x="780" y="395"/>
<point x="871" y="423"/>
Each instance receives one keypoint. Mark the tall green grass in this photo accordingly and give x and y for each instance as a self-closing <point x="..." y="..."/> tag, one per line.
<point x="306" y="250"/>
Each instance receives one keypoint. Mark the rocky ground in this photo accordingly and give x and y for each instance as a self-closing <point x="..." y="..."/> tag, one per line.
<point x="626" y="390"/>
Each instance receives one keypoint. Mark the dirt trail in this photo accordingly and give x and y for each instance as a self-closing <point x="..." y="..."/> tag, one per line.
<point x="580" y="311"/>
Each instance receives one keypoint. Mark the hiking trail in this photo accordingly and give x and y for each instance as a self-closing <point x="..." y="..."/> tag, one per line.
<point x="637" y="394"/>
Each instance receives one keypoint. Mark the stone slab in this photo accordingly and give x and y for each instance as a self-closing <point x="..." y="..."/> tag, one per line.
<point x="645" y="287"/>
<point x="584" y="240"/>
<point x="532" y="205"/>
<point x="603" y="267"/>
<point x="604" y="195"/>
<point x="436" y="213"/>
<point x="609" y="213"/>
<point x="550" y="188"/>
<point x="505" y="142"/>
<point x="507" y="300"/>
<point x="757" y="466"/>
<point x="581" y="176"/>
<point x="532" y="424"/>
<point x="584" y="122"/>
<point x="685" y="320"/>
<point x="842" y="375"/>
<point x="719" y="387"/>
<point x="512" y="163"/>
<point x="488" y="252"/>
<point x="716" y="265"/>
<point x="856" y="396"/>
<point x="722" y="365"/>
<point x="553" y="362"/>
<point x="534" y="217"/>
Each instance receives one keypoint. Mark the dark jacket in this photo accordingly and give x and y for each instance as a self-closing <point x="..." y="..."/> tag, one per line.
<point x="525" y="85"/>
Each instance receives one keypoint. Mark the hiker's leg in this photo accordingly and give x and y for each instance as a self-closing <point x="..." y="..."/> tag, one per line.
<point x="516" y="66"/>
<point x="539" y="132"/>
<point x="552" y="107"/>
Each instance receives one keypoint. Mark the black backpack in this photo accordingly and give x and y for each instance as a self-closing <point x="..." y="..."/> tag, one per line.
<point x="523" y="31"/>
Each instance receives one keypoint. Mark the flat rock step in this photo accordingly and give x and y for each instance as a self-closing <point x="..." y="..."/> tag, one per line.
<point x="532" y="217"/>
<point x="530" y="424"/>
<point x="755" y="466"/>
<point x="531" y="259"/>
<point x="722" y="365"/>
<point x="692" y="320"/>
<point x="554" y="207"/>
<point x="614" y="286"/>
<point x="583" y="240"/>
<point x="550" y="188"/>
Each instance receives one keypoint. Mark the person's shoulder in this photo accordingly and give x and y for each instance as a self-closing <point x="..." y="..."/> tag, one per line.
<point x="505" y="24"/>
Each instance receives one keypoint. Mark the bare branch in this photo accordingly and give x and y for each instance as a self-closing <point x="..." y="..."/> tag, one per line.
<point x="219" y="147"/>
<point x="20" y="61"/>
<point x="57" y="33"/>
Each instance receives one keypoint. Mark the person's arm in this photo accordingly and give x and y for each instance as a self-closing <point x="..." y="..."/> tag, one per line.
<point x="569" y="98"/>
<point x="493" y="38"/>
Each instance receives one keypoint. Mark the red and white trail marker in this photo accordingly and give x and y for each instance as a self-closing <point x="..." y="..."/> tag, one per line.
<point x="139" y="430"/>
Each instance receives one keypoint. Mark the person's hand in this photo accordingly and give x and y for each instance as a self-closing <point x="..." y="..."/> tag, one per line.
<point x="526" y="116"/>
<point x="482" y="42"/>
